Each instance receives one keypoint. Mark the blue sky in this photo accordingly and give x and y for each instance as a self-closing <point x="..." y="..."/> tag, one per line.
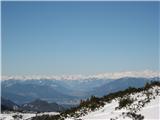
<point x="78" y="37"/>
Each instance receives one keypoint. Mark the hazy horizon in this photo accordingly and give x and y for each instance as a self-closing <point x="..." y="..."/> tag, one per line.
<point x="106" y="75"/>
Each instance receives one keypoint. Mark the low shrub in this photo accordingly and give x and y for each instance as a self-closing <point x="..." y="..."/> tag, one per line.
<point x="135" y="116"/>
<point x="125" y="102"/>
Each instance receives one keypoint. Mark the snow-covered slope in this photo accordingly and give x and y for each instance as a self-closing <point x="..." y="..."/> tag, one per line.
<point x="23" y="116"/>
<point x="145" y="106"/>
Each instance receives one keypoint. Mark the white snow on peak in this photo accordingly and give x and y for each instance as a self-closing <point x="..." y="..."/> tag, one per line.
<point x="115" y="75"/>
<point x="108" y="75"/>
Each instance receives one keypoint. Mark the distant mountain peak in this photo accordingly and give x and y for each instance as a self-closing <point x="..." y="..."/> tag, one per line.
<point x="108" y="75"/>
<point x="37" y="101"/>
<point x="42" y="106"/>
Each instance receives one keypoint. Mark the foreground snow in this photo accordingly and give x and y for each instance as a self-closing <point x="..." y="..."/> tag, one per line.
<point x="150" y="110"/>
<point x="24" y="116"/>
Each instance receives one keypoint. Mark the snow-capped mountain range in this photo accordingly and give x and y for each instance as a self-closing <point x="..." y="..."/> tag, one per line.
<point x="109" y="75"/>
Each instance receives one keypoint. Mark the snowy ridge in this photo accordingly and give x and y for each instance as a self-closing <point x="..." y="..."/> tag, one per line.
<point x="145" y="105"/>
<point x="110" y="112"/>
<point x="110" y="75"/>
